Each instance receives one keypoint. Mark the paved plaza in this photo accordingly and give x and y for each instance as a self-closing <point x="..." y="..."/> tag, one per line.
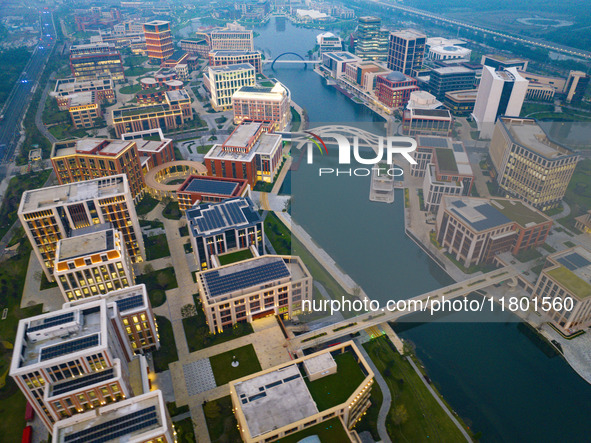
<point x="199" y="376"/>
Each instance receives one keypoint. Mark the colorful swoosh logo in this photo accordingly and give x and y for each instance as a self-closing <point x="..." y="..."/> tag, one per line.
<point x="315" y="140"/>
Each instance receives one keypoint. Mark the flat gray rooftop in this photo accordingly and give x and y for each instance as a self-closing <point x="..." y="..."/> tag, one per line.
<point x="532" y="136"/>
<point x="276" y="399"/>
<point x="242" y="135"/>
<point x="84" y="245"/>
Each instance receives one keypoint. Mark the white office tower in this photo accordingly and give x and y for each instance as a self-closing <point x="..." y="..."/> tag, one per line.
<point x="500" y="93"/>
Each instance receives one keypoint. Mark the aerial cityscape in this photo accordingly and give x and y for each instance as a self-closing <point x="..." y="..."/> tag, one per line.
<point x="314" y="221"/>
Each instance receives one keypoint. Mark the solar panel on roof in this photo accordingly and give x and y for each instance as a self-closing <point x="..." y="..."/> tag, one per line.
<point x="221" y="284"/>
<point x="115" y="428"/>
<point x="131" y="302"/>
<point x="459" y="204"/>
<point x="52" y="321"/>
<point x="458" y="147"/>
<point x="433" y="142"/>
<point x="80" y="382"/>
<point x="69" y="347"/>
<point x="211" y="187"/>
<point x="574" y="261"/>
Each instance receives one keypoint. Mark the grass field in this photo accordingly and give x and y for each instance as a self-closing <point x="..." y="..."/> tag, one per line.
<point x="223" y="370"/>
<point x="146" y="205"/>
<point x="221" y="423"/>
<point x="156" y="283"/>
<point x="234" y="257"/>
<point x="424" y="420"/>
<point x="167" y="353"/>
<point x="156" y="247"/>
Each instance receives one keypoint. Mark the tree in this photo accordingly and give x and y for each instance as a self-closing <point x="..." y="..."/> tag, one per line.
<point x="399" y="415"/>
<point x="212" y="410"/>
<point x="148" y="268"/>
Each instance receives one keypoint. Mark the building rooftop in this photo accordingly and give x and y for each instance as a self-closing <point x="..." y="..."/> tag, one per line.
<point x="205" y="185"/>
<point x="341" y="56"/>
<point x="231" y="68"/>
<point x="431" y="113"/>
<point x="237" y="278"/>
<point x="141" y="110"/>
<point x="529" y="134"/>
<point x="209" y="219"/>
<point x="243" y="135"/>
<point x="90" y="146"/>
<point x="86" y="244"/>
<point x="448" y="70"/>
<point x="574" y="270"/>
<point x="519" y="212"/>
<point x="233" y="53"/>
<point x="44" y="198"/>
<point x="275" y="399"/>
<point x="409" y="34"/>
<point x="140" y="418"/>
<point x="465" y="95"/>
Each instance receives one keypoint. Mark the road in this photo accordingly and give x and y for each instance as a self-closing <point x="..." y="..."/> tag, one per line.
<point x="23" y="90"/>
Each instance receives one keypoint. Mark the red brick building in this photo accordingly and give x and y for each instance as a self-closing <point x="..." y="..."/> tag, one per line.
<point x="200" y="188"/>
<point x="393" y="89"/>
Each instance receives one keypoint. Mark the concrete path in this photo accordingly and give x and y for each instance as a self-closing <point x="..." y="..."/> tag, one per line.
<point x="438" y="399"/>
<point x="386" y="395"/>
<point x="565" y="211"/>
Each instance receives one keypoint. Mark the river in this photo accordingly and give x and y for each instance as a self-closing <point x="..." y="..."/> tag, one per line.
<point x="491" y="374"/>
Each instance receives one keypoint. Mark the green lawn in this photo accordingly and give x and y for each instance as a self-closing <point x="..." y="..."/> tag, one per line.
<point x="571" y="281"/>
<point x="173" y="409"/>
<point x="329" y="431"/>
<point x="156" y="283"/>
<point x="281" y="239"/>
<point x="425" y="420"/>
<point x="234" y="257"/>
<point x="184" y="231"/>
<point x="167" y="353"/>
<point x="138" y="70"/>
<point x="185" y="430"/>
<point x="528" y="255"/>
<point x="335" y="389"/>
<point x="65" y="131"/>
<point x="156" y="247"/>
<point x="221" y="423"/>
<point x="12" y="197"/>
<point x="171" y="211"/>
<point x="197" y="331"/>
<point x="151" y="224"/>
<point x="147" y="204"/>
<point x="131" y="89"/>
<point x="578" y="194"/>
<point x="223" y="370"/>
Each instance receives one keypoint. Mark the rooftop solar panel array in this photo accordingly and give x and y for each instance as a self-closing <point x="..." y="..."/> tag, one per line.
<point x="458" y="147"/>
<point x="574" y="261"/>
<point x="80" y="382"/>
<point x="433" y="142"/>
<point x="69" y="347"/>
<point x="118" y="427"/>
<point x="52" y="321"/>
<point x="135" y="301"/>
<point x="211" y="186"/>
<point x="246" y="278"/>
<point x="220" y="216"/>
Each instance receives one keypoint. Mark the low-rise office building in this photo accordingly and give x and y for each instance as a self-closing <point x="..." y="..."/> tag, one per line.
<point x="263" y="104"/>
<point x="226" y="57"/>
<point x="576" y="86"/>
<point x="253" y="288"/>
<point x="250" y="153"/>
<point x="296" y="396"/>
<point x="217" y="229"/>
<point x="223" y="81"/>
<point x="363" y="75"/>
<point x="450" y="78"/>
<point x="83" y="100"/>
<point x="460" y="102"/>
<point x="88" y="65"/>
<point x="92" y="261"/>
<point x="197" y="46"/>
<point x="497" y="61"/>
<point x="563" y="287"/>
<point x="153" y="148"/>
<point x="204" y="189"/>
<point x="89" y="158"/>
<point x="335" y="63"/>
<point x="394" y="89"/>
<point x="528" y="164"/>
<point x="417" y="121"/>
<point x="474" y="230"/>
<point x="328" y="42"/>
<point x="232" y="40"/>
<point x="50" y="214"/>
<point x="141" y="419"/>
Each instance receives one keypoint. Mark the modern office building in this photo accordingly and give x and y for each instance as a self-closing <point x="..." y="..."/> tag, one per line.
<point x="92" y="261"/>
<point x="500" y="93"/>
<point x="417" y="121"/>
<point x="198" y="189"/>
<point x="153" y="148"/>
<point x="135" y="318"/>
<point x="460" y="103"/>
<point x="295" y="400"/>
<point x="250" y="153"/>
<point x="50" y="214"/>
<point x="217" y="229"/>
<point x="73" y="360"/>
<point x="450" y="78"/>
<point x="362" y="75"/>
<point x="227" y="57"/>
<point x="169" y="115"/>
<point x="87" y="66"/>
<point x="564" y="283"/>
<point x="448" y="52"/>
<point x="83" y="100"/>
<point x="263" y="104"/>
<point x="575" y="86"/>
<point x="445" y="167"/>
<point x="328" y="42"/>
<point x="498" y="62"/>
<point x="92" y="48"/>
<point x="583" y="222"/>
<point x="223" y="81"/>
<point x="232" y="40"/>
<point x="89" y="158"/>
<point x="140" y="419"/>
<point x="423" y="100"/>
<point x="335" y="63"/>
<point x="394" y="89"/>
<point x="158" y="36"/>
<point x="474" y="230"/>
<point x="197" y="46"/>
<point x="406" y="51"/>
<point x="254" y="288"/>
<point x="372" y="39"/>
<point x="529" y="165"/>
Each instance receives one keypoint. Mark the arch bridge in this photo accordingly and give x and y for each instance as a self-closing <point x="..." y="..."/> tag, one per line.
<point x="302" y="59"/>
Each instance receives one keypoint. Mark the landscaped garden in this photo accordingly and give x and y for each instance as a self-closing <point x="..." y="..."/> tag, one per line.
<point x="156" y="247"/>
<point x="157" y="282"/>
<point x="167" y="353"/>
<point x="223" y="369"/>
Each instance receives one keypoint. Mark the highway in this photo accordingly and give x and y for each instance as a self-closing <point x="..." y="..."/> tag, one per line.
<point x="22" y="92"/>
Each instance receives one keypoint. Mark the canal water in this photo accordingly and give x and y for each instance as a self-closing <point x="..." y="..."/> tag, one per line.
<point x="491" y="374"/>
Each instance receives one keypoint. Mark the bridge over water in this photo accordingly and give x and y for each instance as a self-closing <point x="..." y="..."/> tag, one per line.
<point x="374" y="318"/>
